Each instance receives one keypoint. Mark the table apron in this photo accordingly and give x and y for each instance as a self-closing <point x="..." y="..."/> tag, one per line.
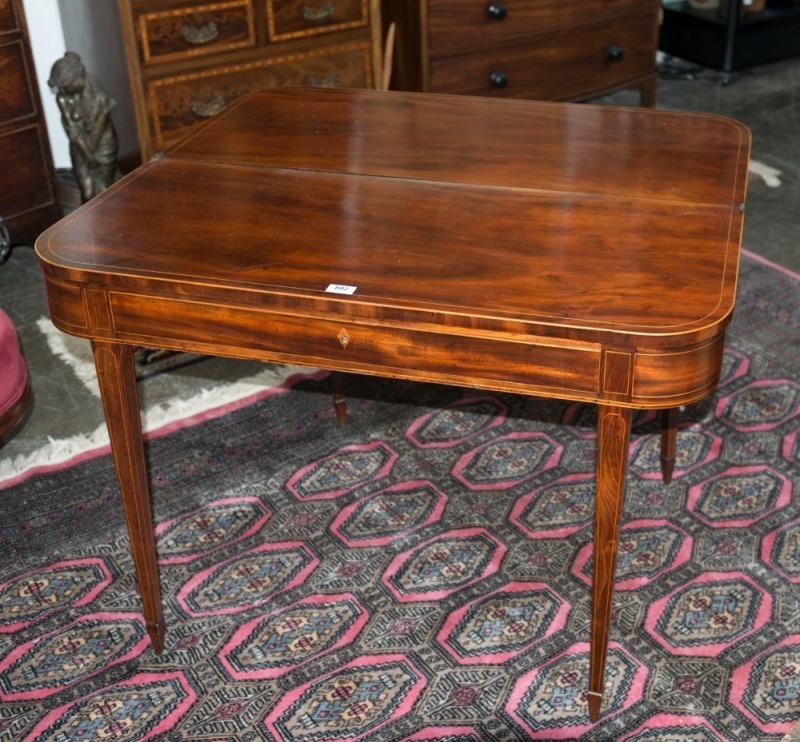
<point x="567" y="369"/>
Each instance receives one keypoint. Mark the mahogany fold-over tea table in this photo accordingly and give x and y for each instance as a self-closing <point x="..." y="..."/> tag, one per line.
<point x="578" y="252"/>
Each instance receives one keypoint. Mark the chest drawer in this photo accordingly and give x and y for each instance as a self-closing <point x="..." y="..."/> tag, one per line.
<point x="411" y="353"/>
<point x="454" y="23"/>
<point x="14" y="93"/>
<point x="178" y="103"/>
<point x="168" y="35"/>
<point x="23" y="156"/>
<point x="8" y="20"/>
<point x="561" y="65"/>
<point x="292" y="19"/>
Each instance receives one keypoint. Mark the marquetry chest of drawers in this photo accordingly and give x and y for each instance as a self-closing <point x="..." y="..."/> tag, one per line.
<point x="170" y="63"/>
<point x="28" y="190"/>
<point x="545" y="49"/>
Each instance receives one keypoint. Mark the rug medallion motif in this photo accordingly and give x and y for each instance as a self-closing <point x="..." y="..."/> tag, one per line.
<point x="30" y="597"/>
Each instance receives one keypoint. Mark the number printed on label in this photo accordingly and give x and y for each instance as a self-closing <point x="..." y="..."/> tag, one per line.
<point x="339" y="288"/>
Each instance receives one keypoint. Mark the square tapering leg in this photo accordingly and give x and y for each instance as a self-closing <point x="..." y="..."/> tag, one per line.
<point x="117" y="378"/>
<point x="613" y="434"/>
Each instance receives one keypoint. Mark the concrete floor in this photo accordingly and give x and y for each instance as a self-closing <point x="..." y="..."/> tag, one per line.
<point x="767" y="99"/>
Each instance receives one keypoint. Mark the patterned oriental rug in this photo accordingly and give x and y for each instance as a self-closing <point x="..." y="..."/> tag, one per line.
<point x="423" y="573"/>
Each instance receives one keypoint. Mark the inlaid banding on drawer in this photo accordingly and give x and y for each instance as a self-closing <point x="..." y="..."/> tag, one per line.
<point x="179" y="102"/>
<point x="294" y="19"/>
<point x="201" y="29"/>
<point x="422" y="353"/>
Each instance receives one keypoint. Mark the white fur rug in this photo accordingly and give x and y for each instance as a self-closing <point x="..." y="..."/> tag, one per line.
<point x="159" y="417"/>
<point x="770" y="175"/>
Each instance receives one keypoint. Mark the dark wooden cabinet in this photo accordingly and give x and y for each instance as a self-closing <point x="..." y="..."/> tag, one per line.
<point x="731" y="41"/>
<point x="170" y="65"/>
<point x="545" y="49"/>
<point x="28" y="191"/>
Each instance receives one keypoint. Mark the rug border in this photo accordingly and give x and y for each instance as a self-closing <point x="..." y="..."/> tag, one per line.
<point x="770" y="264"/>
<point x="57" y="455"/>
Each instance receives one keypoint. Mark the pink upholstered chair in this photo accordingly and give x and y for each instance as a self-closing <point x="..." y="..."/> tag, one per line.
<point x="15" y="391"/>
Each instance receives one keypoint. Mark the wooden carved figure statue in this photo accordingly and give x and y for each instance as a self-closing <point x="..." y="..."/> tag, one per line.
<point x="86" y="116"/>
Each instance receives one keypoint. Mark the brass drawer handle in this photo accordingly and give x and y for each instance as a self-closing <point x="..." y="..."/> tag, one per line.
<point x="209" y="108"/>
<point x="319" y="13"/>
<point x="329" y="81"/>
<point x="199" y="34"/>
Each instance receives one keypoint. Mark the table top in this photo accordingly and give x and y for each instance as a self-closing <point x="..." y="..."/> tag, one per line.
<point x="567" y="220"/>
